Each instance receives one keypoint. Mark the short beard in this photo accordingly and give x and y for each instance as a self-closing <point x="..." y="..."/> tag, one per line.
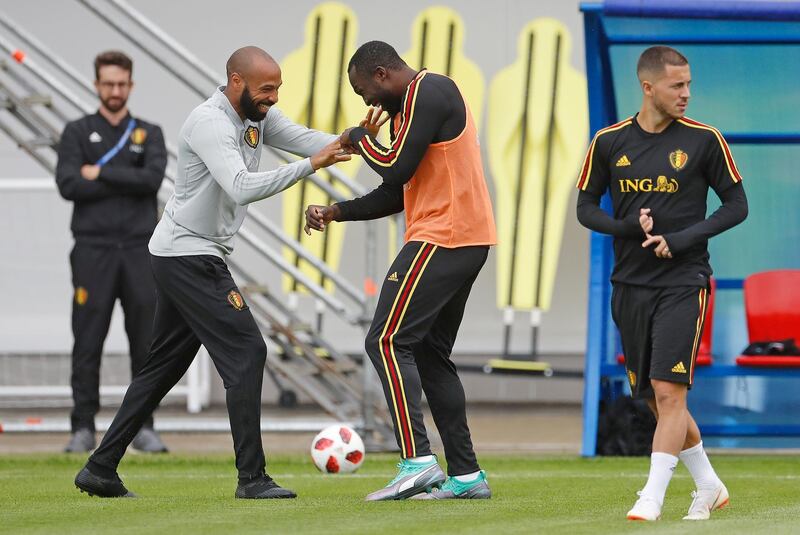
<point x="114" y="109"/>
<point x="249" y="107"/>
<point x="665" y="112"/>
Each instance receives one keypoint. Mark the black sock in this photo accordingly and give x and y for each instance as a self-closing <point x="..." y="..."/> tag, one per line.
<point x="259" y="477"/>
<point x="101" y="471"/>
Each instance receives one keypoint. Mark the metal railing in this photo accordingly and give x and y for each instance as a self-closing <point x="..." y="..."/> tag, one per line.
<point x="274" y="257"/>
<point x="53" y="77"/>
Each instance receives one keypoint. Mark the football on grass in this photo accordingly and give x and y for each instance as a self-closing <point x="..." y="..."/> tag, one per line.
<point x="337" y="450"/>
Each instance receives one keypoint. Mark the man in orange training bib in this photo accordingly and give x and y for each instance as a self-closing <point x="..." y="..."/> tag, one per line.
<point x="433" y="170"/>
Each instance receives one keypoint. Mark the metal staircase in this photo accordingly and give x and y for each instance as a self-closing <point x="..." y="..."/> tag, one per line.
<point x="33" y="98"/>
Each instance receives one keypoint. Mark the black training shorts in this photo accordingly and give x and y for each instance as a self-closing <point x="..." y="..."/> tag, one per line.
<point x="660" y="330"/>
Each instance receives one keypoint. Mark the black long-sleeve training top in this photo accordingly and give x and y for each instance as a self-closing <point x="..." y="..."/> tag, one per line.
<point x="670" y="173"/>
<point x="440" y="115"/>
<point x="120" y="207"/>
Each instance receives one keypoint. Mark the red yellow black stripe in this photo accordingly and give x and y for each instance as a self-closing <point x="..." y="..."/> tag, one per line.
<point x="386" y="157"/>
<point x="393" y="323"/>
<point x="586" y="169"/>
<point x="702" y="301"/>
<point x="732" y="169"/>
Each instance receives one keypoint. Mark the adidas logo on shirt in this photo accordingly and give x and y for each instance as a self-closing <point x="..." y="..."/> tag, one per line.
<point x="624" y="161"/>
<point x="679" y="368"/>
<point x="94" y="137"/>
<point x="392" y="277"/>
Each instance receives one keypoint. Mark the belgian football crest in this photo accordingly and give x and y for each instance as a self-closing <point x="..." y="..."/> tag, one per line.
<point x="251" y="136"/>
<point x="678" y="159"/>
<point x="138" y="136"/>
<point x="81" y="295"/>
<point x="236" y="300"/>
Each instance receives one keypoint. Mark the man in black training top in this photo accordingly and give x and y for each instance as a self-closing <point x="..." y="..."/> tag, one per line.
<point x="658" y="166"/>
<point x="110" y="165"/>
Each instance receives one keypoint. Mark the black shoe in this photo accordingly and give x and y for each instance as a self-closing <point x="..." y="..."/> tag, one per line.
<point x="103" y="487"/>
<point x="263" y="488"/>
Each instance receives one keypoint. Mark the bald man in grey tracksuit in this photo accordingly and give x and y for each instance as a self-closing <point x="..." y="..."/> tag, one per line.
<point x="197" y="300"/>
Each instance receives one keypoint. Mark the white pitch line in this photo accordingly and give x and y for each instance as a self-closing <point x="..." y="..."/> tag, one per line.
<point x="517" y="475"/>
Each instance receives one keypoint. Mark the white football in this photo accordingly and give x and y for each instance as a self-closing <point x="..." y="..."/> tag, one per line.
<point x="337" y="450"/>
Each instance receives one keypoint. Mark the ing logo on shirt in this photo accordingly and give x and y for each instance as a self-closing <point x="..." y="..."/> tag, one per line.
<point x="635" y="185"/>
<point x="251" y="136"/>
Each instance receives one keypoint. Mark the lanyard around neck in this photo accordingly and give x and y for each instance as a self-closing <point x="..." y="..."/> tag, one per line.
<point x="121" y="143"/>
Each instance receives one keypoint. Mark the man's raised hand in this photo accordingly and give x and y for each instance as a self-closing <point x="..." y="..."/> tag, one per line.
<point x="373" y="121"/>
<point x="329" y="155"/>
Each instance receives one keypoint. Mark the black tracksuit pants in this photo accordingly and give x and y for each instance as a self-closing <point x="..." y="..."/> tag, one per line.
<point x="412" y="334"/>
<point x="100" y="276"/>
<point x="197" y="303"/>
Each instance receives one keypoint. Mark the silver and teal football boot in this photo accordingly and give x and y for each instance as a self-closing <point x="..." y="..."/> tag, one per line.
<point x="412" y="478"/>
<point x="453" y="489"/>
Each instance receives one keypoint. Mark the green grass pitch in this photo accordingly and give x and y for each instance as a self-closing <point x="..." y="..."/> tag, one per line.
<point x="193" y="494"/>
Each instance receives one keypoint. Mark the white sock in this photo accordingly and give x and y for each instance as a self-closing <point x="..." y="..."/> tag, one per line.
<point x="662" y="465"/>
<point x="422" y="459"/>
<point x="466" y="478"/>
<point x="696" y="461"/>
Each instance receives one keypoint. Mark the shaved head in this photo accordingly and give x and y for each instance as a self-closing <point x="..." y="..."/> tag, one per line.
<point x="254" y="78"/>
<point x="247" y="60"/>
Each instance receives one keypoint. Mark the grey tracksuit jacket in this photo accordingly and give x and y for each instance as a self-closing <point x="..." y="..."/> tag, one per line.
<point x="217" y="175"/>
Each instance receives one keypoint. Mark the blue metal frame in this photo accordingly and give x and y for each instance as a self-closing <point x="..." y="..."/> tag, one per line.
<point x="601" y="336"/>
<point x="602" y="110"/>
<point x="701" y="9"/>
<point x="706" y="40"/>
<point x="750" y="430"/>
<point x="613" y="375"/>
<point x="715" y="371"/>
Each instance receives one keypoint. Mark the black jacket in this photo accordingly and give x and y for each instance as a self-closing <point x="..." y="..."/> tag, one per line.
<point x="119" y="209"/>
